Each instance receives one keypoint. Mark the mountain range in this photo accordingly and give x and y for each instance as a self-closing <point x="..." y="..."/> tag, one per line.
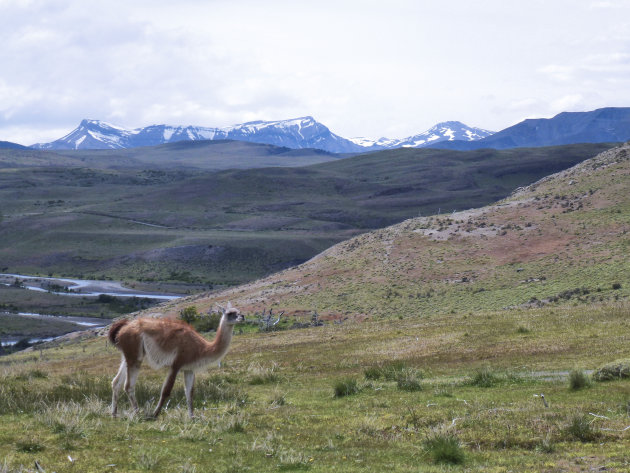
<point x="603" y="125"/>
<point x="610" y="124"/>
<point x="297" y="133"/>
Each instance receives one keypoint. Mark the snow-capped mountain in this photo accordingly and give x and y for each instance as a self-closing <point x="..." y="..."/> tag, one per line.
<point x="296" y="133"/>
<point x="445" y="131"/>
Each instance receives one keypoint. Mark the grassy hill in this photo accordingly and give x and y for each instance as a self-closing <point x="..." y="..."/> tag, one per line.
<point x="232" y="226"/>
<point x="443" y="334"/>
<point x="564" y="238"/>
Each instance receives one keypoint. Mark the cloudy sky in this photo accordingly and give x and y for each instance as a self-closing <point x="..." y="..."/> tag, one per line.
<point x="361" y="67"/>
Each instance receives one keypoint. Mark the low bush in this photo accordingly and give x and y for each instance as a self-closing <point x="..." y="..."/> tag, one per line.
<point x="615" y="370"/>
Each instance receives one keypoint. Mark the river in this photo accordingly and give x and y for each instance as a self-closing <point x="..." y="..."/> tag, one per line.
<point x="82" y="323"/>
<point x="82" y="287"/>
<point x="74" y="288"/>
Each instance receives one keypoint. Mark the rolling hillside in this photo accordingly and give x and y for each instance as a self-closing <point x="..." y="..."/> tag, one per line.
<point x="561" y="239"/>
<point x="191" y="155"/>
<point x="235" y="225"/>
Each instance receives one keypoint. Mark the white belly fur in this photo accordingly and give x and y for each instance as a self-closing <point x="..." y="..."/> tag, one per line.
<point x="156" y="357"/>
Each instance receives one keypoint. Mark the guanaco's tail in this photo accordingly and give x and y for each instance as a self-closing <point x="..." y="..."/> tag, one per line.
<point x="115" y="328"/>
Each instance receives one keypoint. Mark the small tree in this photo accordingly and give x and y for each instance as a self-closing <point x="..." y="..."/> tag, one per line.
<point x="189" y="314"/>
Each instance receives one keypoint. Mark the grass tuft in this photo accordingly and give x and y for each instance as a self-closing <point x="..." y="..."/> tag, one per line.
<point x="262" y="375"/>
<point x="483" y="378"/>
<point x="373" y="373"/>
<point x="444" y="448"/>
<point x="148" y="461"/>
<point x="346" y="387"/>
<point x="409" y="380"/>
<point x="29" y="446"/>
<point x="578" y="379"/>
<point x="579" y="427"/>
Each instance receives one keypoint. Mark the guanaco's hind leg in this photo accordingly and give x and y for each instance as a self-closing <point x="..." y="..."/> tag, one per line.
<point x="189" y="385"/>
<point x="117" y="384"/>
<point x="130" y="384"/>
<point x="166" y="390"/>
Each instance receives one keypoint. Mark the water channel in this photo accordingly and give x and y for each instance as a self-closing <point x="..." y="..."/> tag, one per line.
<point x="71" y="288"/>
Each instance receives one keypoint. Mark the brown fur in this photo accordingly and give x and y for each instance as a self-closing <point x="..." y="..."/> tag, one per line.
<point x="166" y="343"/>
<point x="115" y="328"/>
<point x="170" y="335"/>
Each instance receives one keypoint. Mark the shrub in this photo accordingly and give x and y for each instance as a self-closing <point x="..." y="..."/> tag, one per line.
<point x="444" y="448"/>
<point x="38" y="374"/>
<point x="207" y="323"/>
<point x="616" y="286"/>
<point x="616" y="370"/>
<point x="578" y="380"/>
<point x="189" y="314"/>
<point x="346" y="387"/>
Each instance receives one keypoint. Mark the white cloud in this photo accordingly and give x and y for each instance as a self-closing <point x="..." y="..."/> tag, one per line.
<point x="362" y="68"/>
<point x="567" y="103"/>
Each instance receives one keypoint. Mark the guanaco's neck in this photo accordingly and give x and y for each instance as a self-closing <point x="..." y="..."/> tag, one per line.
<point x="219" y="346"/>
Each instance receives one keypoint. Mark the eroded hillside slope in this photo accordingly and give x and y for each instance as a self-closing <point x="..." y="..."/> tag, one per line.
<point x="563" y="238"/>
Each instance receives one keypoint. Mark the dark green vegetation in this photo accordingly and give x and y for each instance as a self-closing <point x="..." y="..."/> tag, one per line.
<point x="159" y="214"/>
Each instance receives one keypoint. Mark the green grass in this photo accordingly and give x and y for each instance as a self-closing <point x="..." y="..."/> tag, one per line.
<point x="405" y="307"/>
<point x="57" y="405"/>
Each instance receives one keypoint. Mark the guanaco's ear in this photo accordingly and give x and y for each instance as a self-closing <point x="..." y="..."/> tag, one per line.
<point x="229" y="306"/>
<point x="221" y="308"/>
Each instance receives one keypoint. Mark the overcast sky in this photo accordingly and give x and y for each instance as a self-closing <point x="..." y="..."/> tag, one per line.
<point x="363" y="68"/>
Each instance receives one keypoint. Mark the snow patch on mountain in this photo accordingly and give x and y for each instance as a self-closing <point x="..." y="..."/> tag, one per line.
<point x="296" y="133"/>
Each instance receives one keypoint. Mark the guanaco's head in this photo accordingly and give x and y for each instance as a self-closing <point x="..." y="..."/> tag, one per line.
<point x="232" y="315"/>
